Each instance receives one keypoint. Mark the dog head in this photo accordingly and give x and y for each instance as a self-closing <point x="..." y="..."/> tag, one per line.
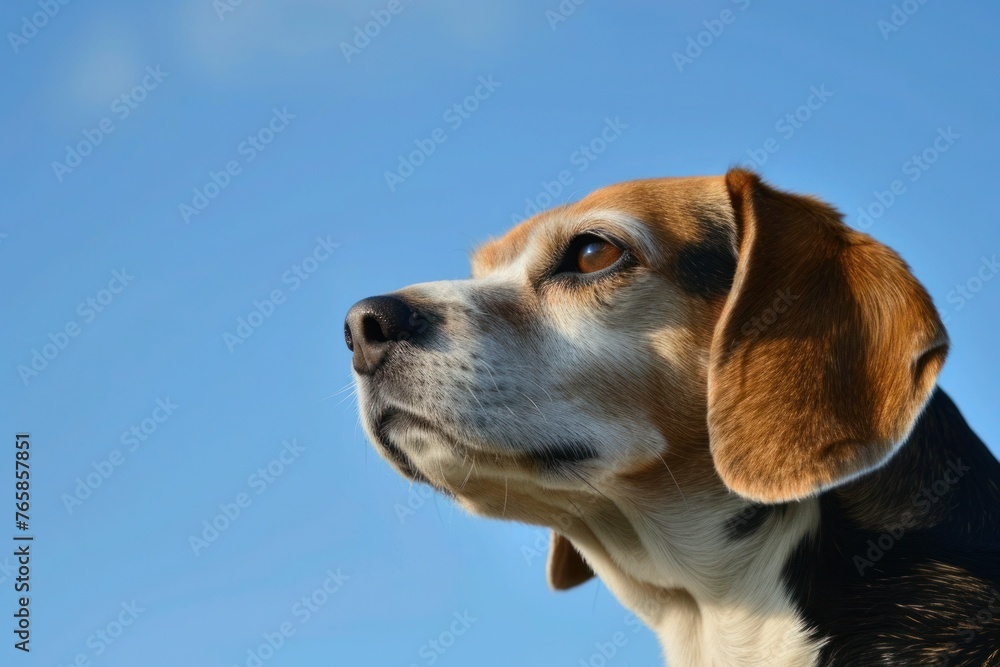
<point x="735" y="336"/>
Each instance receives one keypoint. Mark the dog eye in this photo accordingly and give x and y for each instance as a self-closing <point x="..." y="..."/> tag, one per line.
<point x="591" y="254"/>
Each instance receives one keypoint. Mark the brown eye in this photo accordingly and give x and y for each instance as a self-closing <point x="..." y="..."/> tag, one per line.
<point x="595" y="254"/>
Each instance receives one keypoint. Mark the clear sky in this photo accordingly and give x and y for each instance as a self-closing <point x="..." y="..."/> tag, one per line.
<point x="172" y="167"/>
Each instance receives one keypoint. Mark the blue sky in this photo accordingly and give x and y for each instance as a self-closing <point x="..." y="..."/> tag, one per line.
<point x="221" y="160"/>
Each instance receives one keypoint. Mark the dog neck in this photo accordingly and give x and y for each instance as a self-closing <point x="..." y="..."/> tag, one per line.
<point x="724" y="581"/>
<point x="703" y="569"/>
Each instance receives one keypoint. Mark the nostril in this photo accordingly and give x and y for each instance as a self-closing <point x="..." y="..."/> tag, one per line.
<point x="371" y="330"/>
<point x="348" y="337"/>
<point x="374" y="325"/>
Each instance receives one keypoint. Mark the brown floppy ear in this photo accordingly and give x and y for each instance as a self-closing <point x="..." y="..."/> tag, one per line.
<point x="566" y="566"/>
<point x="825" y="353"/>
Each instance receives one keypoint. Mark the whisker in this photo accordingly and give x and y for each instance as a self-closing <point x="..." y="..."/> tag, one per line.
<point x="504" y="511"/>
<point x="536" y="406"/>
<point x="583" y="479"/>
<point x="351" y="395"/>
<point x="660" y="456"/>
<point x="486" y="365"/>
<point x="579" y="512"/>
<point x="473" y="394"/>
<point x="340" y="391"/>
<point x="438" y="511"/>
<point x="524" y="375"/>
<point x="469" y="474"/>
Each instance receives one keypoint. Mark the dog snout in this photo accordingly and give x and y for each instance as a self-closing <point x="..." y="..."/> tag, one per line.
<point x="374" y="325"/>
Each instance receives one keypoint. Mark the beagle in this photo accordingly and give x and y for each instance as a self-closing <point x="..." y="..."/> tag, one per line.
<point x="722" y="400"/>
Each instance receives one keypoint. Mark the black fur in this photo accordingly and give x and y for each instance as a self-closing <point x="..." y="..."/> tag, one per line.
<point x="905" y="567"/>
<point x="562" y="455"/>
<point x="706" y="268"/>
<point x="747" y="522"/>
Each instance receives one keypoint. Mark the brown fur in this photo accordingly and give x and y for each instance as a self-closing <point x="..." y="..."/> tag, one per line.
<point x="833" y="386"/>
<point x="824" y="392"/>
<point x="756" y="345"/>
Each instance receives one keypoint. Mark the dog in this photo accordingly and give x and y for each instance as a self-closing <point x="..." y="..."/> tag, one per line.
<point x="723" y="402"/>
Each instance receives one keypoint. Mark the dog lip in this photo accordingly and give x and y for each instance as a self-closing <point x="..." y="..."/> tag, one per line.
<point x="552" y="458"/>
<point x="563" y="454"/>
<point x="392" y="415"/>
<point x="380" y="427"/>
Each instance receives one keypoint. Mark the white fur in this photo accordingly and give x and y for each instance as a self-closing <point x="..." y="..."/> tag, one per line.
<point x="711" y="599"/>
<point x="734" y="609"/>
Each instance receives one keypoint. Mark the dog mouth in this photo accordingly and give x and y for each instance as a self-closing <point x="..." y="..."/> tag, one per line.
<point x="392" y="451"/>
<point x="561" y="455"/>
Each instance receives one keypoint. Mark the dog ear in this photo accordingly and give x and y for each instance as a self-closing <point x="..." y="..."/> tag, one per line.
<point x="566" y="566"/>
<point x="825" y="353"/>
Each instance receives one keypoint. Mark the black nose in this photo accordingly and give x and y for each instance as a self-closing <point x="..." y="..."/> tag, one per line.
<point x="374" y="325"/>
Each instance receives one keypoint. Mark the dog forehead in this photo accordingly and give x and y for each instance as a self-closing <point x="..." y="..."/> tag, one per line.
<point x="671" y="211"/>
